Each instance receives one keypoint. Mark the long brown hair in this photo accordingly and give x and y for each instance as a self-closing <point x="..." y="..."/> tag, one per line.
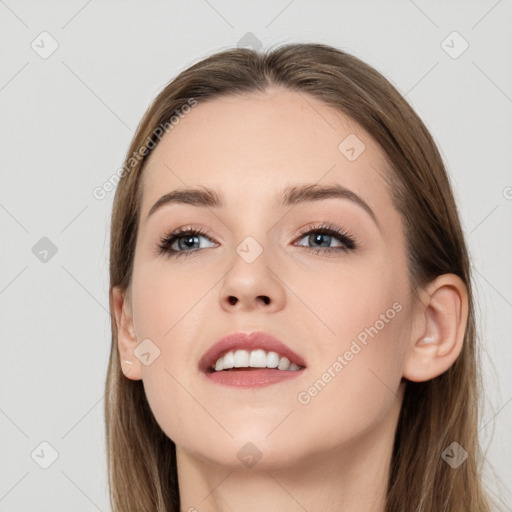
<point x="141" y="458"/>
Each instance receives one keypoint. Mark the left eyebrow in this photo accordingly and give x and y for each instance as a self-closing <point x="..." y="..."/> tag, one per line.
<point x="204" y="197"/>
<point x="295" y="194"/>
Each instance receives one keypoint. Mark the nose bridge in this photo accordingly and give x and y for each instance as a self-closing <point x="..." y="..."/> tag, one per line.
<point x="251" y="232"/>
<point x="250" y="249"/>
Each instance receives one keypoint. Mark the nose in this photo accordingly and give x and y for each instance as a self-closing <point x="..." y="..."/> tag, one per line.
<point x="252" y="285"/>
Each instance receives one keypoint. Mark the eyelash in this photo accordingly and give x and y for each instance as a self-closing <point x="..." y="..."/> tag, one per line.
<point x="345" y="238"/>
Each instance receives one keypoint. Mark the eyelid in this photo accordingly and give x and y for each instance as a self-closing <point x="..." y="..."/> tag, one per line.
<point x="332" y="229"/>
<point x="197" y="229"/>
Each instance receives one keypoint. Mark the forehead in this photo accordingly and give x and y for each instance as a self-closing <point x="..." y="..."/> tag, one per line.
<point x="251" y="147"/>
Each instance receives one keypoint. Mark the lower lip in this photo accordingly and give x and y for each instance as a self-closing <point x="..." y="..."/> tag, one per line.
<point x="252" y="378"/>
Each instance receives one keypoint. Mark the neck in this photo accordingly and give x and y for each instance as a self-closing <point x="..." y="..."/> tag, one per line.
<point x="351" y="478"/>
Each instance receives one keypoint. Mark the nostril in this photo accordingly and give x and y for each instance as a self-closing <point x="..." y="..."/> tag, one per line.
<point x="232" y="300"/>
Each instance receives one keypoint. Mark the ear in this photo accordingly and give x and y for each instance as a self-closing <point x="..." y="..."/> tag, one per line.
<point x="126" y="339"/>
<point x="441" y="321"/>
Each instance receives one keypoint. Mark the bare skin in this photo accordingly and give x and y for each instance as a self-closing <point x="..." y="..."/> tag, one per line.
<point x="328" y="450"/>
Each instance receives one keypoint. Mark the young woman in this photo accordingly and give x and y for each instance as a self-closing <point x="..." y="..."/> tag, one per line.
<point x="292" y="314"/>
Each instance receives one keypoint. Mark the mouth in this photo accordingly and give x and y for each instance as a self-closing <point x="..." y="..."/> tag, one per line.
<point x="245" y="360"/>
<point x="250" y="360"/>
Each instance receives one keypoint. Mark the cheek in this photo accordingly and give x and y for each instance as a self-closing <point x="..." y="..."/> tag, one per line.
<point x="354" y="387"/>
<point x="350" y="299"/>
<point x="169" y="309"/>
<point x="161" y="298"/>
<point x="359" y="337"/>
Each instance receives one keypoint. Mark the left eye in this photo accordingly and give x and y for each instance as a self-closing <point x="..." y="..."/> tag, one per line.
<point x="324" y="235"/>
<point x="320" y="238"/>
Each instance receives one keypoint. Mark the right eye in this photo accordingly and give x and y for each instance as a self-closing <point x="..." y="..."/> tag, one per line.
<point x="186" y="238"/>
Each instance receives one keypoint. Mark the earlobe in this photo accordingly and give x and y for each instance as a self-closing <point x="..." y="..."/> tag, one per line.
<point x="126" y="338"/>
<point x="442" y="319"/>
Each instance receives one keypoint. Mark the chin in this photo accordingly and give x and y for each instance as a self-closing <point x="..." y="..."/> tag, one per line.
<point x="250" y="452"/>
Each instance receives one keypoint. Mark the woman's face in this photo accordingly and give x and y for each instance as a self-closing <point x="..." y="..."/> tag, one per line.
<point x="345" y="312"/>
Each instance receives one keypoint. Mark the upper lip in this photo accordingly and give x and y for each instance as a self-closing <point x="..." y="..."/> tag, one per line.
<point x="247" y="341"/>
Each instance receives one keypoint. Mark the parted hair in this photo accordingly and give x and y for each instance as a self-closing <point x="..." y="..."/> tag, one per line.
<point x="141" y="458"/>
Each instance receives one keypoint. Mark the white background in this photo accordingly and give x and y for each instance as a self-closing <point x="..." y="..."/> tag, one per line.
<point x="65" y="125"/>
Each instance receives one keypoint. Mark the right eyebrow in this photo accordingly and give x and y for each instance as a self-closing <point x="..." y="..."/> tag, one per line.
<point x="201" y="197"/>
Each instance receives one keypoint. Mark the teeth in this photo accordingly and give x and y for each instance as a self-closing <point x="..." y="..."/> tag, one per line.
<point x="241" y="358"/>
<point x="229" y="360"/>
<point x="254" y="359"/>
<point x="284" y="363"/>
<point x="272" y="360"/>
<point x="257" y="359"/>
